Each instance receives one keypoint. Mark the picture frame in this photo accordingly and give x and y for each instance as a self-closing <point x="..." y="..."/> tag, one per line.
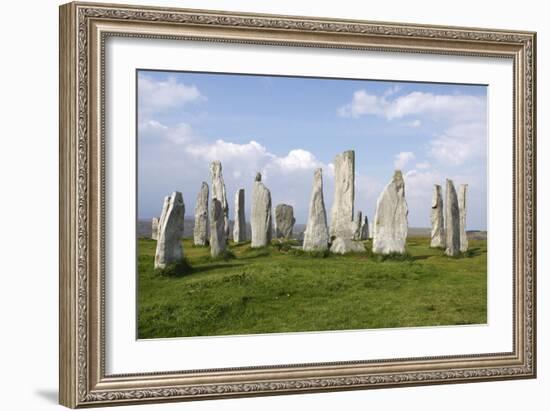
<point x="85" y="29"/>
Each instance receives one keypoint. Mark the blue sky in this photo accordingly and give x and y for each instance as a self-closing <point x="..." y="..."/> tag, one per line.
<point x="285" y="127"/>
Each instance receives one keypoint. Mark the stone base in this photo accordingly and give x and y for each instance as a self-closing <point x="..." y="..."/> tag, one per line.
<point x="343" y="246"/>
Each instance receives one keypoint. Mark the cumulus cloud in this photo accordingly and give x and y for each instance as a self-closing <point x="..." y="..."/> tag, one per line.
<point x="402" y="159"/>
<point x="364" y="103"/>
<point x="460" y="143"/>
<point x="158" y="95"/>
<point x="184" y="166"/>
<point x="459" y="107"/>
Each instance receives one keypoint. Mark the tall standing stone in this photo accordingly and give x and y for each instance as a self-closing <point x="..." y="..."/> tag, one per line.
<point x="452" y="221"/>
<point x="365" y="229"/>
<point x="155" y="228"/>
<point x="169" y="247"/>
<point x="390" y="220"/>
<point x="218" y="240"/>
<point x="200" y="231"/>
<point x="356" y="226"/>
<point x="284" y="221"/>
<point x="438" y="229"/>
<point x="239" y="226"/>
<point x="218" y="192"/>
<point x="316" y="236"/>
<point x="344" y="195"/>
<point x="260" y="219"/>
<point x="462" y="210"/>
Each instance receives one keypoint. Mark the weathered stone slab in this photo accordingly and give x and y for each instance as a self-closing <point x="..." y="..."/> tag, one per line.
<point x="218" y="240"/>
<point x="218" y="192"/>
<point x="316" y="236"/>
<point x="345" y="245"/>
<point x="260" y="219"/>
<point x="239" y="226"/>
<point x="200" y="231"/>
<point x="452" y="221"/>
<point x="390" y="220"/>
<point x="344" y="195"/>
<point x="155" y="228"/>
<point x="365" y="230"/>
<point x="356" y="226"/>
<point x="169" y="246"/>
<point x="437" y="219"/>
<point x="284" y="221"/>
<point x="462" y="211"/>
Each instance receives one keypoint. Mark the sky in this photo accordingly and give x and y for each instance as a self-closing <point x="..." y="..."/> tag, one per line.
<point x="286" y="127"/>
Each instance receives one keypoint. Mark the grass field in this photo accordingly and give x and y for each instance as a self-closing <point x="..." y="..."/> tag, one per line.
<point x="272" y="290"/>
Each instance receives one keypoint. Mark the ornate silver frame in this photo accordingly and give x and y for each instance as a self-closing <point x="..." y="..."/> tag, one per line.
<point x="83" y="30"/>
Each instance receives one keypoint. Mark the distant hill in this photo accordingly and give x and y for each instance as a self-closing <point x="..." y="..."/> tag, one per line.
<point x="144" y="230"/>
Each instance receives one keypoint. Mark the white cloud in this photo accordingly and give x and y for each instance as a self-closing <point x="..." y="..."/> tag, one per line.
<point x="460" y="143"/>
<point x="363" y="103"/>
<point x="297" y="160"/>
<point x="392" y="90"/>
<point x="422" y="166"/>
<point x="415" y="123"/>
<point x="289" y="177"/>
<point x="402" y="159"/>
<point x="158" y="95"/>
<point x="459" y="107"/>
<point x="462" y="117"/>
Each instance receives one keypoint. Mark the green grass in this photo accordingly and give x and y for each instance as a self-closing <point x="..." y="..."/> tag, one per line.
<point x="281" y="289"/>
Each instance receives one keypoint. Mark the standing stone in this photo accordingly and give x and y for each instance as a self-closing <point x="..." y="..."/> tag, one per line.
<point x="344" y="246"/>
<point x="200" y="231"/>
<point x="218" y="192"/>
<point x="169" y="247"/>
<point x="438" y="229"/>
<point x="260" y="219"/>
<point x="344" y="194"/>
<point x="356" y="226"/>
<point x="284" y="221"/>
<point x="239" y="226"/>
<point x="462" y="210"/>
<point x="390" y="220"/>
<point x="365" y="229"/>
<point x="155" y="228"/>
<point x="452" y="221"/>
<point x="218" y="240"/>
<point x="316" y="236"/>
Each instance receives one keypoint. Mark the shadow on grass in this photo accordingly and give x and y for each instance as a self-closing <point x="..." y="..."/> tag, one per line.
<point x="211" y="267"/>
<point x="250" y="253"/>
<point x="472" y="252"/>
<point x="421" y="257"/>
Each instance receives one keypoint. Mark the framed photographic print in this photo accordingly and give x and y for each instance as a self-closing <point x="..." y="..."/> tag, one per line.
<point x="259" y="204"/>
